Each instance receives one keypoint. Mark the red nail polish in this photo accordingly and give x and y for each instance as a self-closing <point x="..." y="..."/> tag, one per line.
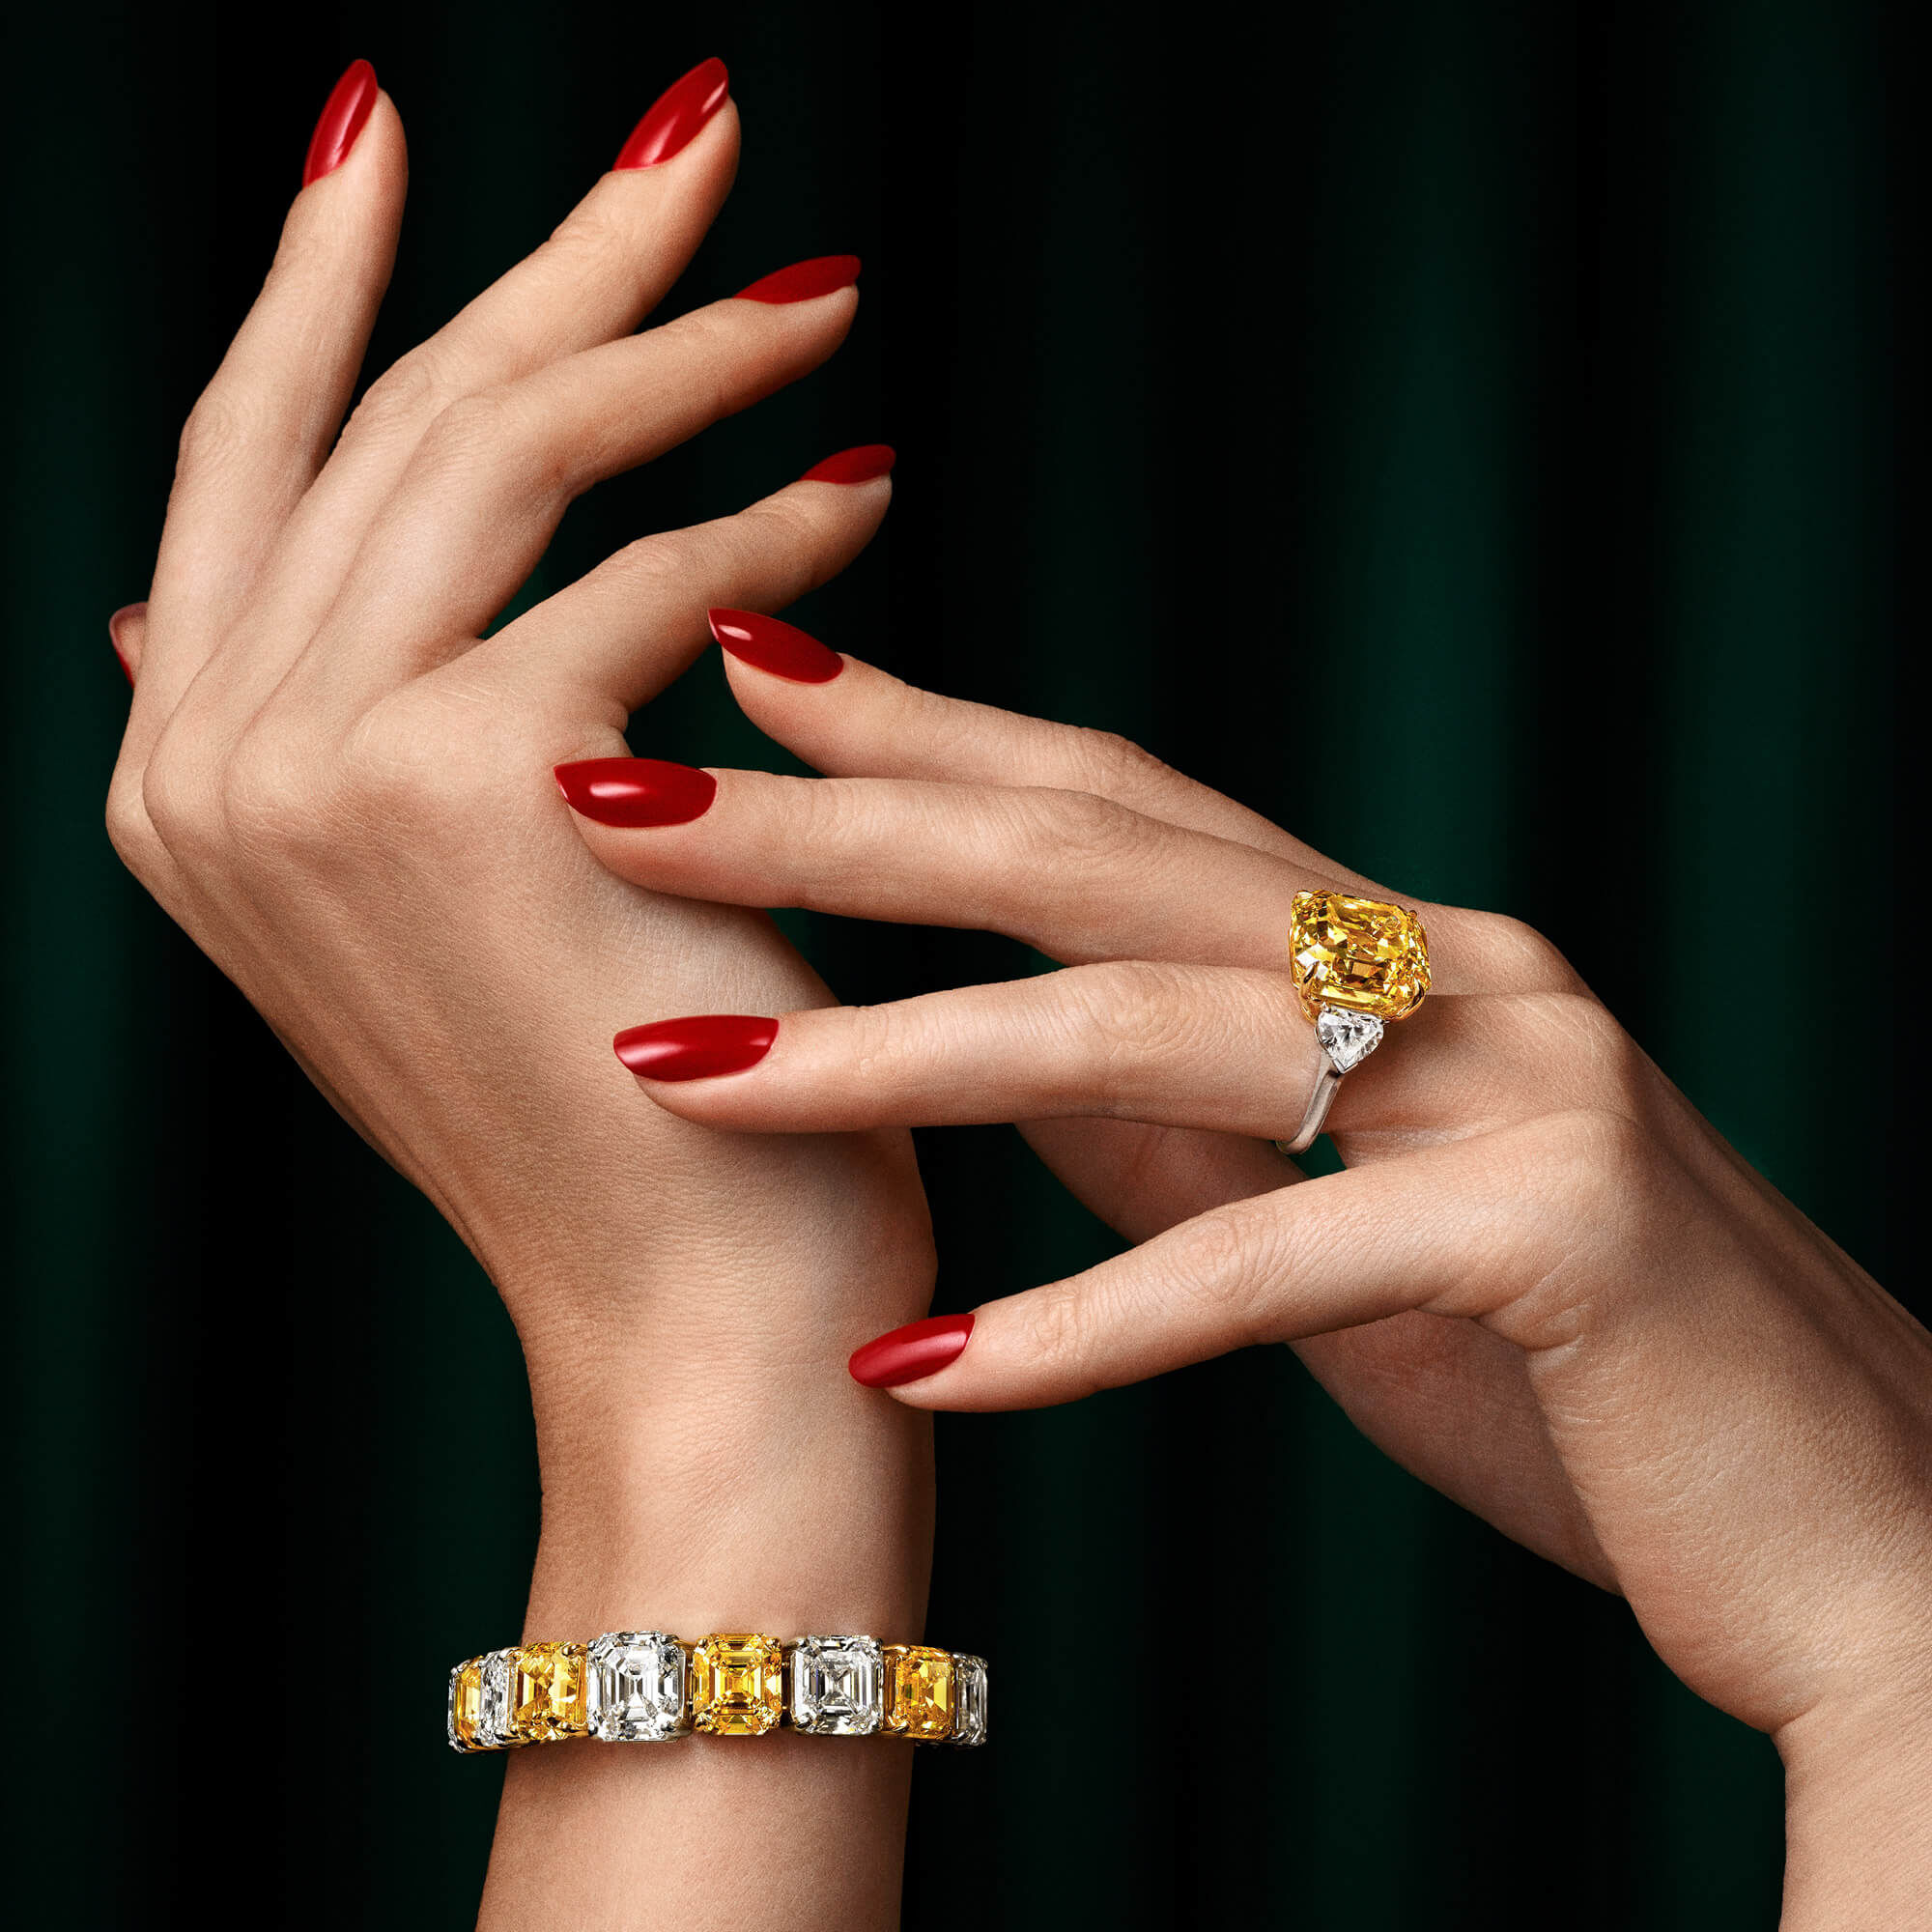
<point x="783" y="650"/>
<point x="676" y="115"/>
<point x="804" y="281"/>
<point x="114" y="623"/>
<point x="919" y="1348"/>
<point x="853" y="465"/>
<point x="697" y="1048"/>
<point x="343" y="116"/>
<point x="636" y="791"/>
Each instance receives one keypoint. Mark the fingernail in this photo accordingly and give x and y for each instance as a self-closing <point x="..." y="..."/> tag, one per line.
<point x="342" y="120"/>
<point x="125" y="613"/>
<point x="919" y="1348"/>
<point x="676" y="115"/>
<point x="697" y="1048"/>
<point x="636" y="791"/>
<point x="853" y="465"/>
<point x="783" y="650"/>
<point x="804" y="281"/>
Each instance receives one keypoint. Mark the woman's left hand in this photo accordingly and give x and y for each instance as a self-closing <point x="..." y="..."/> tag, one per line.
<point x="1544" y="1282"/>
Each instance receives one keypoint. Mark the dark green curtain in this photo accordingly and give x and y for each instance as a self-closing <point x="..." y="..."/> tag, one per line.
<point x="1466" y="433"/>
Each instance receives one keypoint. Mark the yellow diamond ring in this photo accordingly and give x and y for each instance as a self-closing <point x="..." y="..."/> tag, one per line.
<point x="1356" y="965"/>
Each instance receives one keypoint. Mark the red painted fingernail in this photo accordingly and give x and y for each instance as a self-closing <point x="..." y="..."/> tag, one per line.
<point x="343" y="116"/>
<point x="697" y="1048"/>
<point x="676" y="115"/>
<point x="905" y="1356"/>
<point x="804" y="281"/>
<point x="636" y="791"/>
<point x="853" y="465"/>
<point x="125" y="613"/>
<point x="783" y="650"/>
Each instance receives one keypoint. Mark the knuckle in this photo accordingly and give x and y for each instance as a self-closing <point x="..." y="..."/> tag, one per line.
<point x="1058" y="1328"/>
<point x="175" y="797"/>
<point x="1108" y="763"/>
<point x="1583" y="1031"/>
<point x="1525" y="960"/>
<point x="1077" y="830"/>
<point x="129" y="830"/>
<point x="1129" y="1018"/>
<point x="1224" y="1263"/>
<point x="408" y="394"/>
<point x="490" y="432"/>
<point x="271" y="803"/>
<point x="214" y="431"/>
<point x="1602" y="1168"/>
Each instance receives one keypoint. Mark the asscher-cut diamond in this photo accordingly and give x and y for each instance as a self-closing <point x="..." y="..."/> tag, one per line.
<point x="637" y="1687"/>
<point x="1364" y="954"/>
<point x="737" y="1683"/>
<point x="493" y="1727"/>
<point x="466" y="1696"/>
<point x="547" y="1697"/>
<point x="836" y="1684"/>
<point x="969" y="1700"/>
<point x="1347" y="1038"/>
<point x="919" y="1691"/>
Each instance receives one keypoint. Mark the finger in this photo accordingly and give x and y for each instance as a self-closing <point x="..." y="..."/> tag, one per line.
<point x="1448" y="1400"/>
<point x="262" y="427"/>
<point x="1454" y="1230"/>
<point x="491" y="480"/>
<point x="127" y="633"/>
<point x="1216" y="1049"/>
<point x="612" y="259"/>
<point x="1076" y="875"/>
<point x="614" y="638"/>
<point x="869" y="724"/>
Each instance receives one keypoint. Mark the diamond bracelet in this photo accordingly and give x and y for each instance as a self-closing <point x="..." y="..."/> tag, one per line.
<point x="633" y="1686"/>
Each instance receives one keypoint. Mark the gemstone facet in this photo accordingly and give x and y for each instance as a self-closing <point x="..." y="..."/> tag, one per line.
<point x="494" y="1728"/>
<point x="969" y="1700"/>
<point x="466" y="1697"/>
<point x="1347" y="1038"/>
<point x="919" y="1691"/>
<point x="737" y="1683"/>
<point x="547" y="1700"/>
<point x="836" y="1684"/>
<point x="637" y="1687"/>
<point x="1359" y="954"/>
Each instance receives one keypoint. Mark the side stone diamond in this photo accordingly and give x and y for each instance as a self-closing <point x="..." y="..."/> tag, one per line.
<point x="1347" y="1038"/>
<point x="969" y="1700"/>
<point x="837" y="1685"/>
<point x="637" y="1687"/>
<point x="495" y="1727"/>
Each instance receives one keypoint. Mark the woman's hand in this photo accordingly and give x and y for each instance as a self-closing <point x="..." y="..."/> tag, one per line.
<point x="1543" y="1282"/>
<point x="347" y="797"/>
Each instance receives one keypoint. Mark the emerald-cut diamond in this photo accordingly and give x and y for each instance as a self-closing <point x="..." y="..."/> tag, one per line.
<point x="637" y="1687"/>
<point x="969" y="1700"/>
<point x="837" y="1685"/>
<point x="1347" y="1038"/>
<point x="494" y="1713"/>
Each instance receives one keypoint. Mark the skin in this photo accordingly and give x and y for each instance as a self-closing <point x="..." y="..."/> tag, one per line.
<point x="1544" y="1282"/>
<point x="346" y="800"/>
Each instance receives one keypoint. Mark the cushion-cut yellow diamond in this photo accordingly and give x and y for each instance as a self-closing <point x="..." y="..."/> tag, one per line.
<point x="547" y="1691"/>
<point x="737" y="1683"/>
<point x="919" y="1690"/>
<point x="1357" y="954"/>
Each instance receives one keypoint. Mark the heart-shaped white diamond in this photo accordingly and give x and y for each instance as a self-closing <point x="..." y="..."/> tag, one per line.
<point x="1347" y="1038"/>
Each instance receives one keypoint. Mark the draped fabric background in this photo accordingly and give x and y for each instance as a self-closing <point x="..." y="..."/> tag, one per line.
<point x="1466" y="433"/>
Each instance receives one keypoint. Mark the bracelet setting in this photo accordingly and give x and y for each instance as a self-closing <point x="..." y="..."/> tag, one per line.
<point x="638" y="1687"/>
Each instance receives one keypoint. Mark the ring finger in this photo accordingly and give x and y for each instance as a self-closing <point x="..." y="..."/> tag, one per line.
<point x="1220" y="1048"/>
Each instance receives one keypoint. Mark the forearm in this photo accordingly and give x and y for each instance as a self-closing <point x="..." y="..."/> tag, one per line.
<point x="716" y="1483"/>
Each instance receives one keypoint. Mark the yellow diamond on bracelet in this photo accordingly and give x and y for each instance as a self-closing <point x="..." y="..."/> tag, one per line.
<point x="919" y="1691"/>
<point x="466" y="1697"/>
<point x="1360" y="954"/>
<point x="547" y="1693"/>
<point x="737" y="1683"/>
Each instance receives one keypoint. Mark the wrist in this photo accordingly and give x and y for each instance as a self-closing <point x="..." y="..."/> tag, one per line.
<point x="1859" y="1813"/>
